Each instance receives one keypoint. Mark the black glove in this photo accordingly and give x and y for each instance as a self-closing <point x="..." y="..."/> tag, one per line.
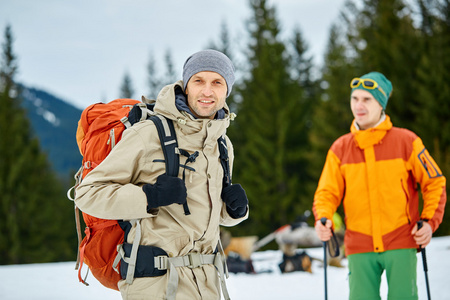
<point x="167" y="190"/>
<point x="236" y="200"/>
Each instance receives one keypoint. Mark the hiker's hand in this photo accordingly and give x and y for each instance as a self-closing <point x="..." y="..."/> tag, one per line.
<point x="236" y="200"/>
<point x="423" y="235"/>
<point x="323" y="231"/>
<point x="167" y="190"/>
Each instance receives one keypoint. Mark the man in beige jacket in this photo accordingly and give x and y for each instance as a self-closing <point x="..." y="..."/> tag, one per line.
<point x="131" y="184"/>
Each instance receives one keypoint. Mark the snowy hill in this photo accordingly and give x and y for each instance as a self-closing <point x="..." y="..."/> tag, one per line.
<point x="54" y="122"/>
<point x="59" y="280"/>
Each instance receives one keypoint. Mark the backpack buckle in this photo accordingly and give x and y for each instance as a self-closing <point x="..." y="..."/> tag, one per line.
<point x="195" y="260"/>
<point x="160" y="262"/>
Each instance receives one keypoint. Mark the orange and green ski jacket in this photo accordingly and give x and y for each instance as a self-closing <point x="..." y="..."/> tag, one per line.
<point x="376" y="173"/>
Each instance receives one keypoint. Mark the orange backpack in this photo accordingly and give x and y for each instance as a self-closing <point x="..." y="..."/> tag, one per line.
<point x="99" y="129"/>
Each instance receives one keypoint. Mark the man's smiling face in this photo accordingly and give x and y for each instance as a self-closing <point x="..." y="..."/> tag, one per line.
<point x="206" y="93"/>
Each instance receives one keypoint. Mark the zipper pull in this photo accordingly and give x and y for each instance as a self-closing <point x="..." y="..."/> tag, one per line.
<point x="112" y="139"/>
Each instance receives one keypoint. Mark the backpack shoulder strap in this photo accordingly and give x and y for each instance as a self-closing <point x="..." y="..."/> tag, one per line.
<point x="169" y="144"/>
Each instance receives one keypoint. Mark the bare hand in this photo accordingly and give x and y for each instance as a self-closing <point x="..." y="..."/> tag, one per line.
<point x="323" y="232"/>
<point x="422" y="236"/>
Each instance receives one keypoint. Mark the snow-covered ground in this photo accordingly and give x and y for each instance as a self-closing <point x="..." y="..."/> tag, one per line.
<point x="59" y="280"/>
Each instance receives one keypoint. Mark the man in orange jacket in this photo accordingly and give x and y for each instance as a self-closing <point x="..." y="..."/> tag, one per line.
<point x="375" y="171"/>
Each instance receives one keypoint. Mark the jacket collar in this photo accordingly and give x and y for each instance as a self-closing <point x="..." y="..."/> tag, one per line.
<point x="372" y="136"/>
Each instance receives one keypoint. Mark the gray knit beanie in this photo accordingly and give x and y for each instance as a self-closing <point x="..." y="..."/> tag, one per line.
<point x="209" y="60"/>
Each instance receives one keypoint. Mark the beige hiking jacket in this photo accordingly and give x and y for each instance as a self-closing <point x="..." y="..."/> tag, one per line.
<point x="113" y="190"/>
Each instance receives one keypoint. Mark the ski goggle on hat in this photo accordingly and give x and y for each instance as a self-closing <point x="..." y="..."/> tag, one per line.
<point x="367" y="83"/>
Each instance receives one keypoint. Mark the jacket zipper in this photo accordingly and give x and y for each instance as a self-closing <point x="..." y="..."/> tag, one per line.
<point x="112" y="139"/>
<point x="407" y="202"/>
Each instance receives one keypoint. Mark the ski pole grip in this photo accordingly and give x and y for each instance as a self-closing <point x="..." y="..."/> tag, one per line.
<point x="323" y="220"/>
<point x="419" y="224"/>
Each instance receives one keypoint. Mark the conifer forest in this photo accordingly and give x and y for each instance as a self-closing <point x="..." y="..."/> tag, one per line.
<point x="289" y="112"/>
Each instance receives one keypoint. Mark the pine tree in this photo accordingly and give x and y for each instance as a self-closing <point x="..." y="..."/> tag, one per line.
<point x="265" y="132"/>
<point x="33" y="219"/>
<point x="332" y="116"/>
<point x="302" y="65"/>
<point x="157" y="82"/>
<point x="154" y="83"/>
<point x="307" y="90"/>
<point x="171" y="75"/>
<point x="224" y="46"/>
<point x="224" y="43"/>
<point x="126" y="89"/>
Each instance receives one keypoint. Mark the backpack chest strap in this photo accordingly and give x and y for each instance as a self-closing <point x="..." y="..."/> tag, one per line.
<point x="192" y="260"/>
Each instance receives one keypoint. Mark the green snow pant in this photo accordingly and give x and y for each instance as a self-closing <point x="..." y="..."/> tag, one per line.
<point x="365" y="270"/>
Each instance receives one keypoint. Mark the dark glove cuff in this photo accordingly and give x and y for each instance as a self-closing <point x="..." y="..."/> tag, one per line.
<point x="238" y="213"/>
<point x="236" y="200"/>
<point x="149" y="191"/>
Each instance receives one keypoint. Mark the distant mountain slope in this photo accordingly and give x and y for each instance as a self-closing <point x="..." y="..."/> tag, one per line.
<point x="55" y="124"/>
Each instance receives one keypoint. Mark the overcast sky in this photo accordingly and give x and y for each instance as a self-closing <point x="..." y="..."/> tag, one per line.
<point x="80" y="50"/>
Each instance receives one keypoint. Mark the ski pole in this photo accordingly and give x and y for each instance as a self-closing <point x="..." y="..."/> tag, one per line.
<point x="268" y="238"/>
<point x="424" y="260"/>
<point x="324" y="221"/>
